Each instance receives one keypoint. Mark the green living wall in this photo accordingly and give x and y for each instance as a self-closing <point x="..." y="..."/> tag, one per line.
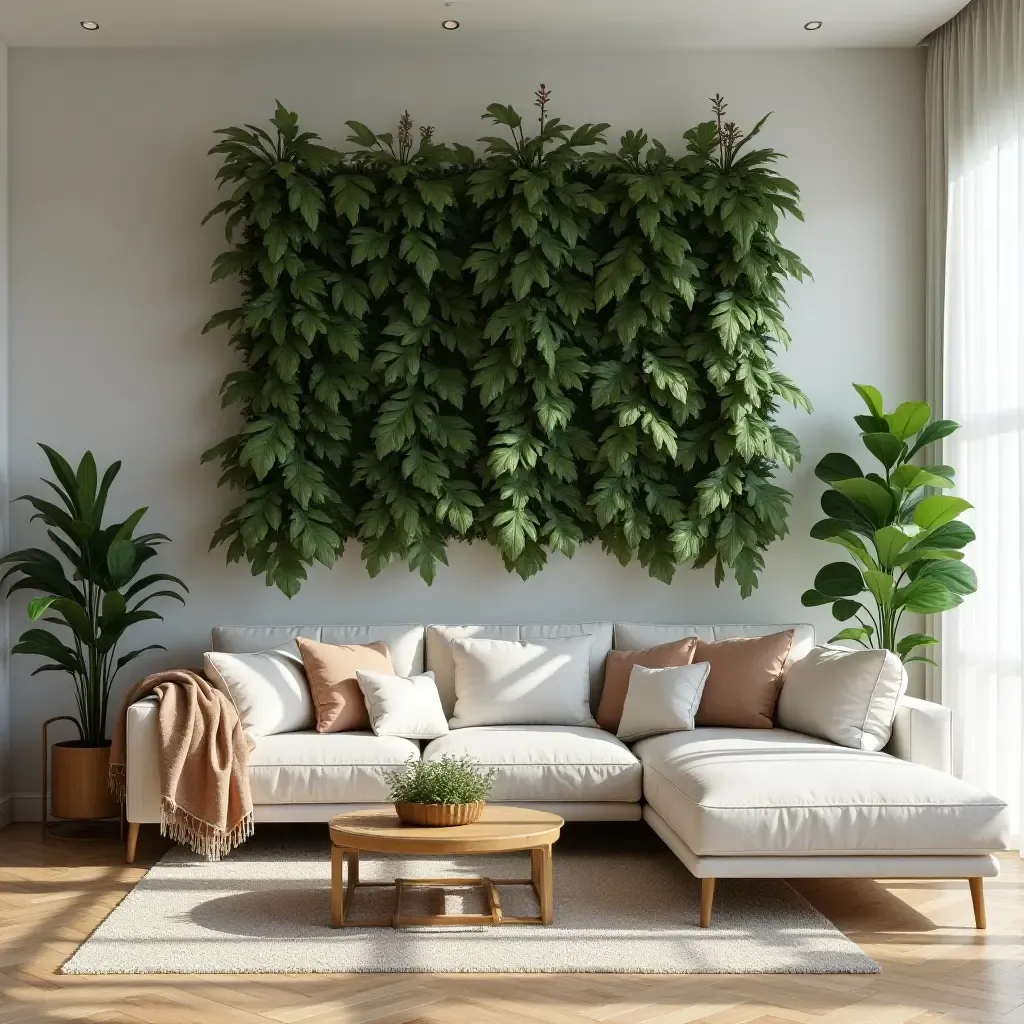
<point x="541" y="345"/>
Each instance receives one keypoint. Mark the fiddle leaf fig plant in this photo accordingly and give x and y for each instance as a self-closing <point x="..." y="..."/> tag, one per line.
<point x="96" y="592"/>
<point x="906" y="541"/>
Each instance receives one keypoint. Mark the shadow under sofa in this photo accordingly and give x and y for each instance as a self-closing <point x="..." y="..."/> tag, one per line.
<point x="730" y="803"/>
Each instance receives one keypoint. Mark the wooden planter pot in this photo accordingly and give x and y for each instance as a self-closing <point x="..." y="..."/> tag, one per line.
<point x="78" y="782"/>
<point x="439" y="815"/>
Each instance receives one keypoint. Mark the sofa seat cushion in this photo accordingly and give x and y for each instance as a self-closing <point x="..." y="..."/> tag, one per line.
<point x="740" y="792"/>
<point x="541" y="763"/>
<point x="325" y="768"/>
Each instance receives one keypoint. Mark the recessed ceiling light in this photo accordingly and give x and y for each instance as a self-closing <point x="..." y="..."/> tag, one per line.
<point x="450" y="24"/>
<point x="90" y="26"/>
<point x="812" y="26"/>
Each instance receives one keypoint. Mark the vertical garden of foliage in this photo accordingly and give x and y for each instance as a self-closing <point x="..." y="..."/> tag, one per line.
<point x="539" y="344"/>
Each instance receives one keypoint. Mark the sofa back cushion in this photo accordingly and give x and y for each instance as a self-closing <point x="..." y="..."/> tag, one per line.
<point x="631" y="636"/>
<point x="405" y="641"/>
<point x="440" y="661"/>
<point x="512" y="682"/>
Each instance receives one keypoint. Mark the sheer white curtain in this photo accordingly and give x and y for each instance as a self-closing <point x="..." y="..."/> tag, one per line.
<point x="975" y="111"/>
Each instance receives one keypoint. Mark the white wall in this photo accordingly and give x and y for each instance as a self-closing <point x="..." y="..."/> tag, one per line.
<point x="109" y="291"/>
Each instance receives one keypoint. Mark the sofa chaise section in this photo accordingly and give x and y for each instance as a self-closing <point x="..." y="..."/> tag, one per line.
<point x="743" y="803"/>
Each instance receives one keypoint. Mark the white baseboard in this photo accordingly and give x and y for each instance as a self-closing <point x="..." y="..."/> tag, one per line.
<point x="6" y="811"/>
<point x="26" y="806"/>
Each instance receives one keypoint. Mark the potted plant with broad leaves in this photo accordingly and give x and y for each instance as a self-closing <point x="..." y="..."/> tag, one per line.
<point x="905" y="540"/>
<point x="446" y="791"/>
<point x="93" y="589"/>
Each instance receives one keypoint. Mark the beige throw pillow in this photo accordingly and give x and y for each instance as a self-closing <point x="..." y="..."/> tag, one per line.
<point x="661" y="700"/>
<point x="331" y="670"/>
<point x="405" y="707"/>
<point x="745" y="679"/>
<point x="848" y="697"/>
<point x="619" y="664"/>
<point x="268" y="689"/>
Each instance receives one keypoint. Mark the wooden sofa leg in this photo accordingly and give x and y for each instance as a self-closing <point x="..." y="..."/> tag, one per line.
<point x="133" y="839"/>
<point x="707" y="897"/>
<point x="978" y="899"/>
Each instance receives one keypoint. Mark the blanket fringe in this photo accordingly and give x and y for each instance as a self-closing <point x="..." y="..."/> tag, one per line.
<point x="200" y="836"/>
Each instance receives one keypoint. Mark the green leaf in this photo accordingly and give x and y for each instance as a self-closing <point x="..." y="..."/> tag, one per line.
<point x="872" y="399"/>
<point x="881" y="585"/>
<point x="909" y="478"/>
<point x="858" y="633"/>
<point x="890" y="541"/>
<point x="887" y="448"/>
<point x="814" y="598"/>
<point x="837" y="466"/>
<point x="844" y="609"/>
<point x="935" y="431"/>
<point x="120" y="559"/>
<point x="956" y="577"/>
<point x="912" y="640"/>
<point x="908" y="418"/>
<point x="939" y="509"/>
<point x="874" y="501"/>
<point x="114" y="604"/>
<point x="39" y="606"/>
<point x="928" y="597"/>
<point x="839" y="579"/>
<point x="952" y="535"/>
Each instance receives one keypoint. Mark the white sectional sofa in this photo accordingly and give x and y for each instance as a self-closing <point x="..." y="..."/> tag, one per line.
<point x="728" y="802"/>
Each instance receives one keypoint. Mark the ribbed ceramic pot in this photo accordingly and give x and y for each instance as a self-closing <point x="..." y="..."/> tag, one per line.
<point x="439" y="815"/>
<point x="78" y="782"/>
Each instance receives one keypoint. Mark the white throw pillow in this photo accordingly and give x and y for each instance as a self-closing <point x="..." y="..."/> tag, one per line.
<point x="406" y="707"/>
<point x="848" y="697"/>
<point x="661" y="700"/>
<point x="269" y="689"/>
<point x="508" y="682"/>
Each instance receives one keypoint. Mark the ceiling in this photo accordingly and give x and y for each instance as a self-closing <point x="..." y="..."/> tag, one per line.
<point x="484" y="24"/>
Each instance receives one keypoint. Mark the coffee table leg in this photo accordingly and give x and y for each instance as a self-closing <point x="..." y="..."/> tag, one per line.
<point x="540" y="863"/>
<point x="337" y="887"/>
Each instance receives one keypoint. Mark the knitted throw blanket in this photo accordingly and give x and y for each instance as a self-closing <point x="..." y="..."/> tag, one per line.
<point x="204" y="780"/>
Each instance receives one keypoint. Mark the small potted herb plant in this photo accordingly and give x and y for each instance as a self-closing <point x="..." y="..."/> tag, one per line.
<point x="448" y="791"/>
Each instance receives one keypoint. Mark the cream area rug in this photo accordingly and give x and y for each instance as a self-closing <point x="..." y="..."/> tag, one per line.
<point x="623" y="904"/>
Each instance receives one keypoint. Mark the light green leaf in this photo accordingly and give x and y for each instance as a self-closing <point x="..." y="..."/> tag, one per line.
<point x="872" y="398"/>
<point x="908" y="418"/>
<point x="939" y="509"/>
<point x="881" y="585"/>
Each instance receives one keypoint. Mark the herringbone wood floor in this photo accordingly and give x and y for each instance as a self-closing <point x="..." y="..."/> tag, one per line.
<point x="936" y="967"/>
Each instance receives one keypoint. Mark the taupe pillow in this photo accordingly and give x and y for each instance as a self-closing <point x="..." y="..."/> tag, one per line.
<point x="745" y="679"/>
<point x="848" y="697"/>
<point x="331" y="672"/>
<point x="619" y="664"/>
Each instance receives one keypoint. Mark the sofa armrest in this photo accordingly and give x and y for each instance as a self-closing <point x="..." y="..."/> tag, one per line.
<point x="142" y="794"/>
<point x="923" y="733"/>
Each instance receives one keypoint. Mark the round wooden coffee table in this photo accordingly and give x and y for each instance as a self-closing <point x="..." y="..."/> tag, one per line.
<point x="499" y="830"/>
